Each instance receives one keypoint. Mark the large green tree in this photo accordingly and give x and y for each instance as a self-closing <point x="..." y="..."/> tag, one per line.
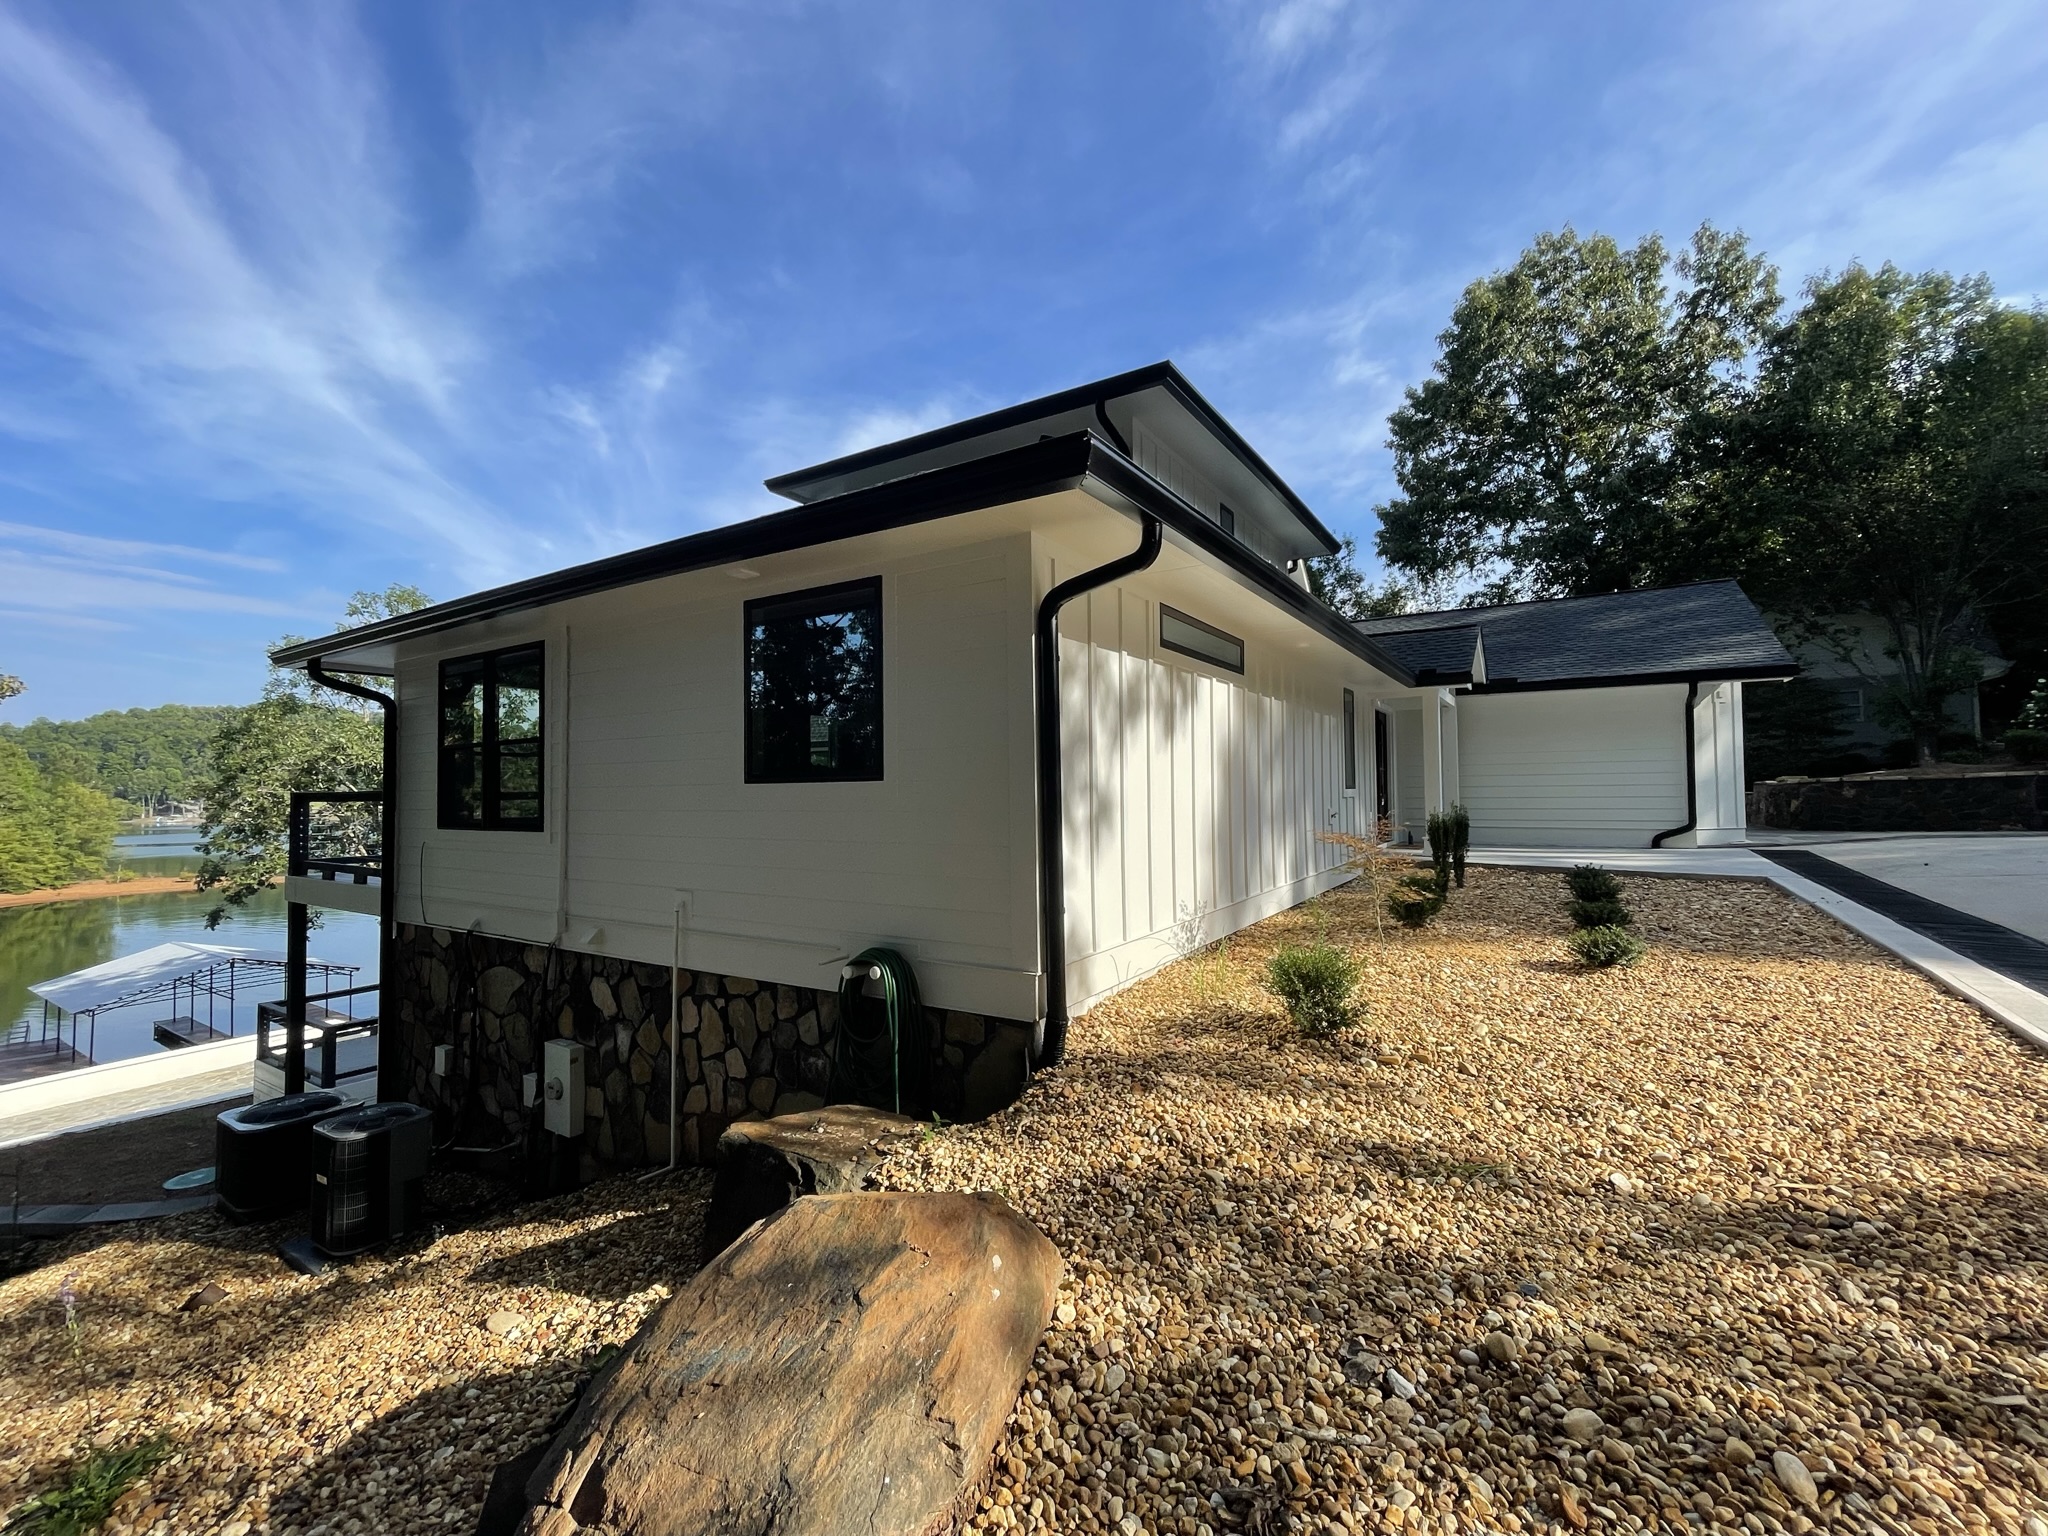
<point x="300" y="737"/>
<point x="1548" y="452"/>
<point x="52" y="830"/>
<point x="142" y="756"/>
<point x="1892" y="459"/>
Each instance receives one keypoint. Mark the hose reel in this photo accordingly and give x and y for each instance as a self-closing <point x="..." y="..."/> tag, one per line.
<point x="880" y="1052"/>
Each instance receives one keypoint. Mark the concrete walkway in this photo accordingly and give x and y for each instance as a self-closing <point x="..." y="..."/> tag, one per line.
<point x="222" y="1088"/>
<point x="2018" y="1007"/>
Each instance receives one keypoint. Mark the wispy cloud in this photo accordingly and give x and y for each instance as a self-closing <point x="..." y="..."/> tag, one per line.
<point x="251" y="321"/>
<point x="85" y="546"/>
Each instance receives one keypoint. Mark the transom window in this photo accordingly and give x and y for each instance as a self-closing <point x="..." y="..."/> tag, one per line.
<point x="490" y="760"/>
<point x="1191" y="637"/>
<point x="1350" y="740"/>
<point x="814" y="685"/>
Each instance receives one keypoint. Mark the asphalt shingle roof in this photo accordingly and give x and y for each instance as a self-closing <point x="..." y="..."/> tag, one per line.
<point x="1707" y="629"/>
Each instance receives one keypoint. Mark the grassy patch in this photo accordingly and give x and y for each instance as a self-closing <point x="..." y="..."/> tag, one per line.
<point x="82" y="1502"/>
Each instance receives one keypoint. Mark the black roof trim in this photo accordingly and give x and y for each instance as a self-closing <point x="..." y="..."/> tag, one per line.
<point x="1017" y="474"/>
<point x="1645" y="679"/>
<point x="1153" y="376"/>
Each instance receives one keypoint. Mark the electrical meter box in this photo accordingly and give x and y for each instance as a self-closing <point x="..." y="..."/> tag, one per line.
<point x="561" y="1087"/>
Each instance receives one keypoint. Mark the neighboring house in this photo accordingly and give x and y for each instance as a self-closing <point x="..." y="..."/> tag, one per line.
<point x="744" y="756"/>
<point x="1858" y="679"/>
<point x="1568" y="723"/>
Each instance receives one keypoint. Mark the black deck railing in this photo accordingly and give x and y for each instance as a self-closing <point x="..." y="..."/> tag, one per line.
<point x="329" y="1026"/>
<point x="337" y="836"/>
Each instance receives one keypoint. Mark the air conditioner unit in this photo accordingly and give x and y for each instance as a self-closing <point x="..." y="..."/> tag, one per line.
<point x="368" y="1165"/>
<point x="262" y="1154"/>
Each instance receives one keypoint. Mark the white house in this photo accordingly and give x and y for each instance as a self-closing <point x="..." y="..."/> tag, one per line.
<point x="1035" y="701"/>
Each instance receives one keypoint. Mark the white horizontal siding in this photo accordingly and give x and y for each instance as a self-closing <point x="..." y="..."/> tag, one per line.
<point x="1587" y="767"/>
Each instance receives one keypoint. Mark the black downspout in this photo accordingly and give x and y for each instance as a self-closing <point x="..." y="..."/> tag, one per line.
<point x="1692" y="775"/>
<point x="387" y="877"/>
<point x="1049" y="1041"/>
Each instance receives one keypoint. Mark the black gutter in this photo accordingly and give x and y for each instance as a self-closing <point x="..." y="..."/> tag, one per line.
<point x="1079" y="460"/>
<point x="1049" y="1040"/>
<point x="1692" y="778"/>
<point x="388" y="1065"/>
<point x="1631" y="679"/>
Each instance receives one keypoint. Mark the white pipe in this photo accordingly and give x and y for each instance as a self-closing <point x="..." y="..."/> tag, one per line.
<point x="675" y="978"/>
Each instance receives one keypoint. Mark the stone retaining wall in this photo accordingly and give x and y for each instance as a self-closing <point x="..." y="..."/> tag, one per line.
<point x="749" y="1048"/>
<point x="1956" y="800"/>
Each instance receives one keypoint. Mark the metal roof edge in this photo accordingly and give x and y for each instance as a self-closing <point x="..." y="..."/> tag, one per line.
<point x="1756" y="674"/>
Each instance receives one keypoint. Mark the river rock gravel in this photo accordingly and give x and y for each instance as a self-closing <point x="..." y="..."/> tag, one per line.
<point x="1750" y="1237"/>
<point x="1538" y="1250"/>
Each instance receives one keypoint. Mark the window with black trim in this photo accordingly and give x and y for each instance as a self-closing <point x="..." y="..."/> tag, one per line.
<point x="1191" y="637"/>
<point x="1350" y="740"/>
<point x="814" y="685"/>
<point x="1227" y="518"/>
<point x="490" y="767"/>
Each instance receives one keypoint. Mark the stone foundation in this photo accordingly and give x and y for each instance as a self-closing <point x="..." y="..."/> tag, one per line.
<point x="749" y="1049"/>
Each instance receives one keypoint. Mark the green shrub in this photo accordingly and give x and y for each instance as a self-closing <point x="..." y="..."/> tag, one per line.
<point x="1589" y="882"/>
<point x="1450" y="834"/>
<point x="1316" y="983"/>
<point x="1415" y="901"/>
<point x="1600" y="947"/>
<point x="90" y="1490"/>
<point x="1601" y="914"/>
<point x="2027" y="745"/>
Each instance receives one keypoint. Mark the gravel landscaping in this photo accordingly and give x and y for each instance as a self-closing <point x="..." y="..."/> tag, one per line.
<point x="1748" y="1236"/>
<point x="1753" y="1235"/>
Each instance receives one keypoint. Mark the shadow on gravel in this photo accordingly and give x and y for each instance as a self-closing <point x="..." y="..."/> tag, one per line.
<point x="587" y="1263"/>
<point x="458" y="1455"/>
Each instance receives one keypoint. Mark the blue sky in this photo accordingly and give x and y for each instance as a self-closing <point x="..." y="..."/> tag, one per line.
<point x="299" y="299"/>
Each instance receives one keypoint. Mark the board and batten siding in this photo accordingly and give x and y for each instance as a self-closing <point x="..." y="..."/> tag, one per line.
<point x="1582" y="767"/>
<point x="1194" y="797"/>
<point x="778" y="882"/>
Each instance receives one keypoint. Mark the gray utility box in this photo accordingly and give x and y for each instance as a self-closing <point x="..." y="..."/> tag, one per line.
<point x="561" y="1087"/>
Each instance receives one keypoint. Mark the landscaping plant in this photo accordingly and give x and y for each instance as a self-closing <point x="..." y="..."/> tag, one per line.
<point x="1415" y="899"/>
<point x="2027" y="745"/>
<point x="1589" y="882"/>
<point x="1602" y="947"/>
<point x="89" y="1491"/>
<point x="1601" y="914"/>
<point x="1376" y="866"/>
<point x="1316" y="983"/>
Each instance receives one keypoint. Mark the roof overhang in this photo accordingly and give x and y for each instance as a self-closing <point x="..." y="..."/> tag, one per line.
<point x="1159" y="396"/>
<point x="1775" y="674"/>
<point x="1077" y="461"/>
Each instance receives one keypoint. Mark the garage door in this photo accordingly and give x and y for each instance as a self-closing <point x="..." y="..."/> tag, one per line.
<point x="1587" y="767"/>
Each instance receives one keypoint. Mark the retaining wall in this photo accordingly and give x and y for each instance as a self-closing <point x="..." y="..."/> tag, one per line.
<point x="1914" y="800"/>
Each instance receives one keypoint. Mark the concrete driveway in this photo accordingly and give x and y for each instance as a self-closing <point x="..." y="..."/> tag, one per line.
<point x="2001" y="878"/>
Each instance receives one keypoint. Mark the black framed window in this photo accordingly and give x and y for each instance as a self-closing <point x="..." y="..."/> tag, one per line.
<point x="814" y="685"/>
<point x="1350" y="740"/>
<point x="490" y="768"/>
<point x="1191" y="637"/>
<point x="1227" y="518"/>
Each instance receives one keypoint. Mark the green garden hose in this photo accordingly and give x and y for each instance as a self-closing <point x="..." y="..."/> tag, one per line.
<point x="879" y="1053"/>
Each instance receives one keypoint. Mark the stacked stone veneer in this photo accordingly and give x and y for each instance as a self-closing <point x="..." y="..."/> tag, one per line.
<point x="749" y="1048"/>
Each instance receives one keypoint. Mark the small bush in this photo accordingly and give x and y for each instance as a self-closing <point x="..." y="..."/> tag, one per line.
<point x="1429" y="883"/>
<point x="90" y="1491"/>
<point x="2027" y="746"/>
<point x="1601" y="914"/>
<point x="1589" y="882"/>
<point x="1316" y="983"/>
<point x="1414" y="902"/>
<point x="1600" y="947"/>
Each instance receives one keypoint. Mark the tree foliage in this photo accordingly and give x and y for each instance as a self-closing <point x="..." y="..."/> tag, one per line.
<point x="1547" y="453"/>
<point x="1602" y="419"/>
<point x="52" y="830"/>
<point x="299" y="738"/>
<point x="1893" y="459"/>
<point x="1338" y="581"/>
<point x="143" y="756"/>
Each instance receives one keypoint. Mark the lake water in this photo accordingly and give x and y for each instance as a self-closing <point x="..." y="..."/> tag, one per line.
<point x="39" y="943"/>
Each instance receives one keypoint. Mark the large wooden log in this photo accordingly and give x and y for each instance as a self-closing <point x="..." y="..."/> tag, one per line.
<point x="845" y="1367"/>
